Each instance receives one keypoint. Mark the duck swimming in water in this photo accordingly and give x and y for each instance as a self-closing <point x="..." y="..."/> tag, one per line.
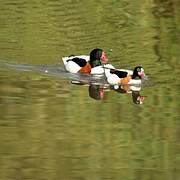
<point x="119" y="77"/>
<point x="91" y="64"/>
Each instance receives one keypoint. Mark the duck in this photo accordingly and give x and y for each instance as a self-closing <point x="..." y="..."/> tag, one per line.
<point x="92" y="64"/>
<point x="122" y="77"/>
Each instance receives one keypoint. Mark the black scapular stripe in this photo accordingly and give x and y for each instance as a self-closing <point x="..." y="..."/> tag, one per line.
<point x="81" y="62"/>
<point x="120" y="74"/>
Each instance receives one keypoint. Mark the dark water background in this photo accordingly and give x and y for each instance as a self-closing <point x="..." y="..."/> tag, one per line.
<point x="51" y="129"/>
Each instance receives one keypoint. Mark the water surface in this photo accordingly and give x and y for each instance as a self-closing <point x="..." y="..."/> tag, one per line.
<point x="52" y="129"/>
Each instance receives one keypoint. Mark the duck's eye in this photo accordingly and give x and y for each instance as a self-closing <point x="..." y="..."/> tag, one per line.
<point x="138" y="69"/>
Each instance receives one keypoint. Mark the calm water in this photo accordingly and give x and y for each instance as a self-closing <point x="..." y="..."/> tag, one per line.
<point x="51" y="129"/>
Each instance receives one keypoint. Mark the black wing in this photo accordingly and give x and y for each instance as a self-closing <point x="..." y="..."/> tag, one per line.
<point x="81" y="62"/>
<point x="120" y="74"/>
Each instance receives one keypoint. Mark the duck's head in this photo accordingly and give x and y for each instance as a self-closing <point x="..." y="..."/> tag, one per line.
<point x="97" y="57"/>
<point x="138" y="73"/>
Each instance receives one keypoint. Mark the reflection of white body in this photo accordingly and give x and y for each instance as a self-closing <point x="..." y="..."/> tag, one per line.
<point x="130" y="87"/>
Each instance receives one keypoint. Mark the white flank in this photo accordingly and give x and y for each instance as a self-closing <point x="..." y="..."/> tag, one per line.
<point x="72" y="67"/>
<point x="97" y="70"/>
<point x="113" y="79"/>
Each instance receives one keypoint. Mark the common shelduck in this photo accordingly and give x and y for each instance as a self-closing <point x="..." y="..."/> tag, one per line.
<point x="92" y="64"/>
<point x="119" y="77"/>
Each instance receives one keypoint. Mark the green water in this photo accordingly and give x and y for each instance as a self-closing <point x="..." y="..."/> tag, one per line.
<point x="51" y="129"/>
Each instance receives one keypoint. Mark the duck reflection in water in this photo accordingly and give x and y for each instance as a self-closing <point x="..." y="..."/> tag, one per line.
<point x="133" y="90"/>
<point x="97" y="92"/>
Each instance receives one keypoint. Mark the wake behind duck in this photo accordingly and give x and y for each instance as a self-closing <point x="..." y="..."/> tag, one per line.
<point x="54" y="70"/>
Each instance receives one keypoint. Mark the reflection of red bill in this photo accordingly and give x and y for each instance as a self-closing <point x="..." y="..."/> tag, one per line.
<point x="101" y="93"/>
<point x="141" y="99"/>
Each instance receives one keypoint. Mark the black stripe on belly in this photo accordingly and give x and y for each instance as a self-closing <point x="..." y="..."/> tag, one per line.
<point x="120" y="74"/>
<point x="81" y="62"/>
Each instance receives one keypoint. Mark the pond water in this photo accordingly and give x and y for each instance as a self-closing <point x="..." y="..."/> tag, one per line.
<point x="52" y="129"/>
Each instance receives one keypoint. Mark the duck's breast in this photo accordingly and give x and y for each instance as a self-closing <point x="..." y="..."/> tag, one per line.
<point x="97" y="70"/>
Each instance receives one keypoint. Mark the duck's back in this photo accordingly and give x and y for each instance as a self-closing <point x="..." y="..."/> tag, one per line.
<point x="66" y="59"/>
<point x="120" y="74"/>
<point x="74" y="64"/>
